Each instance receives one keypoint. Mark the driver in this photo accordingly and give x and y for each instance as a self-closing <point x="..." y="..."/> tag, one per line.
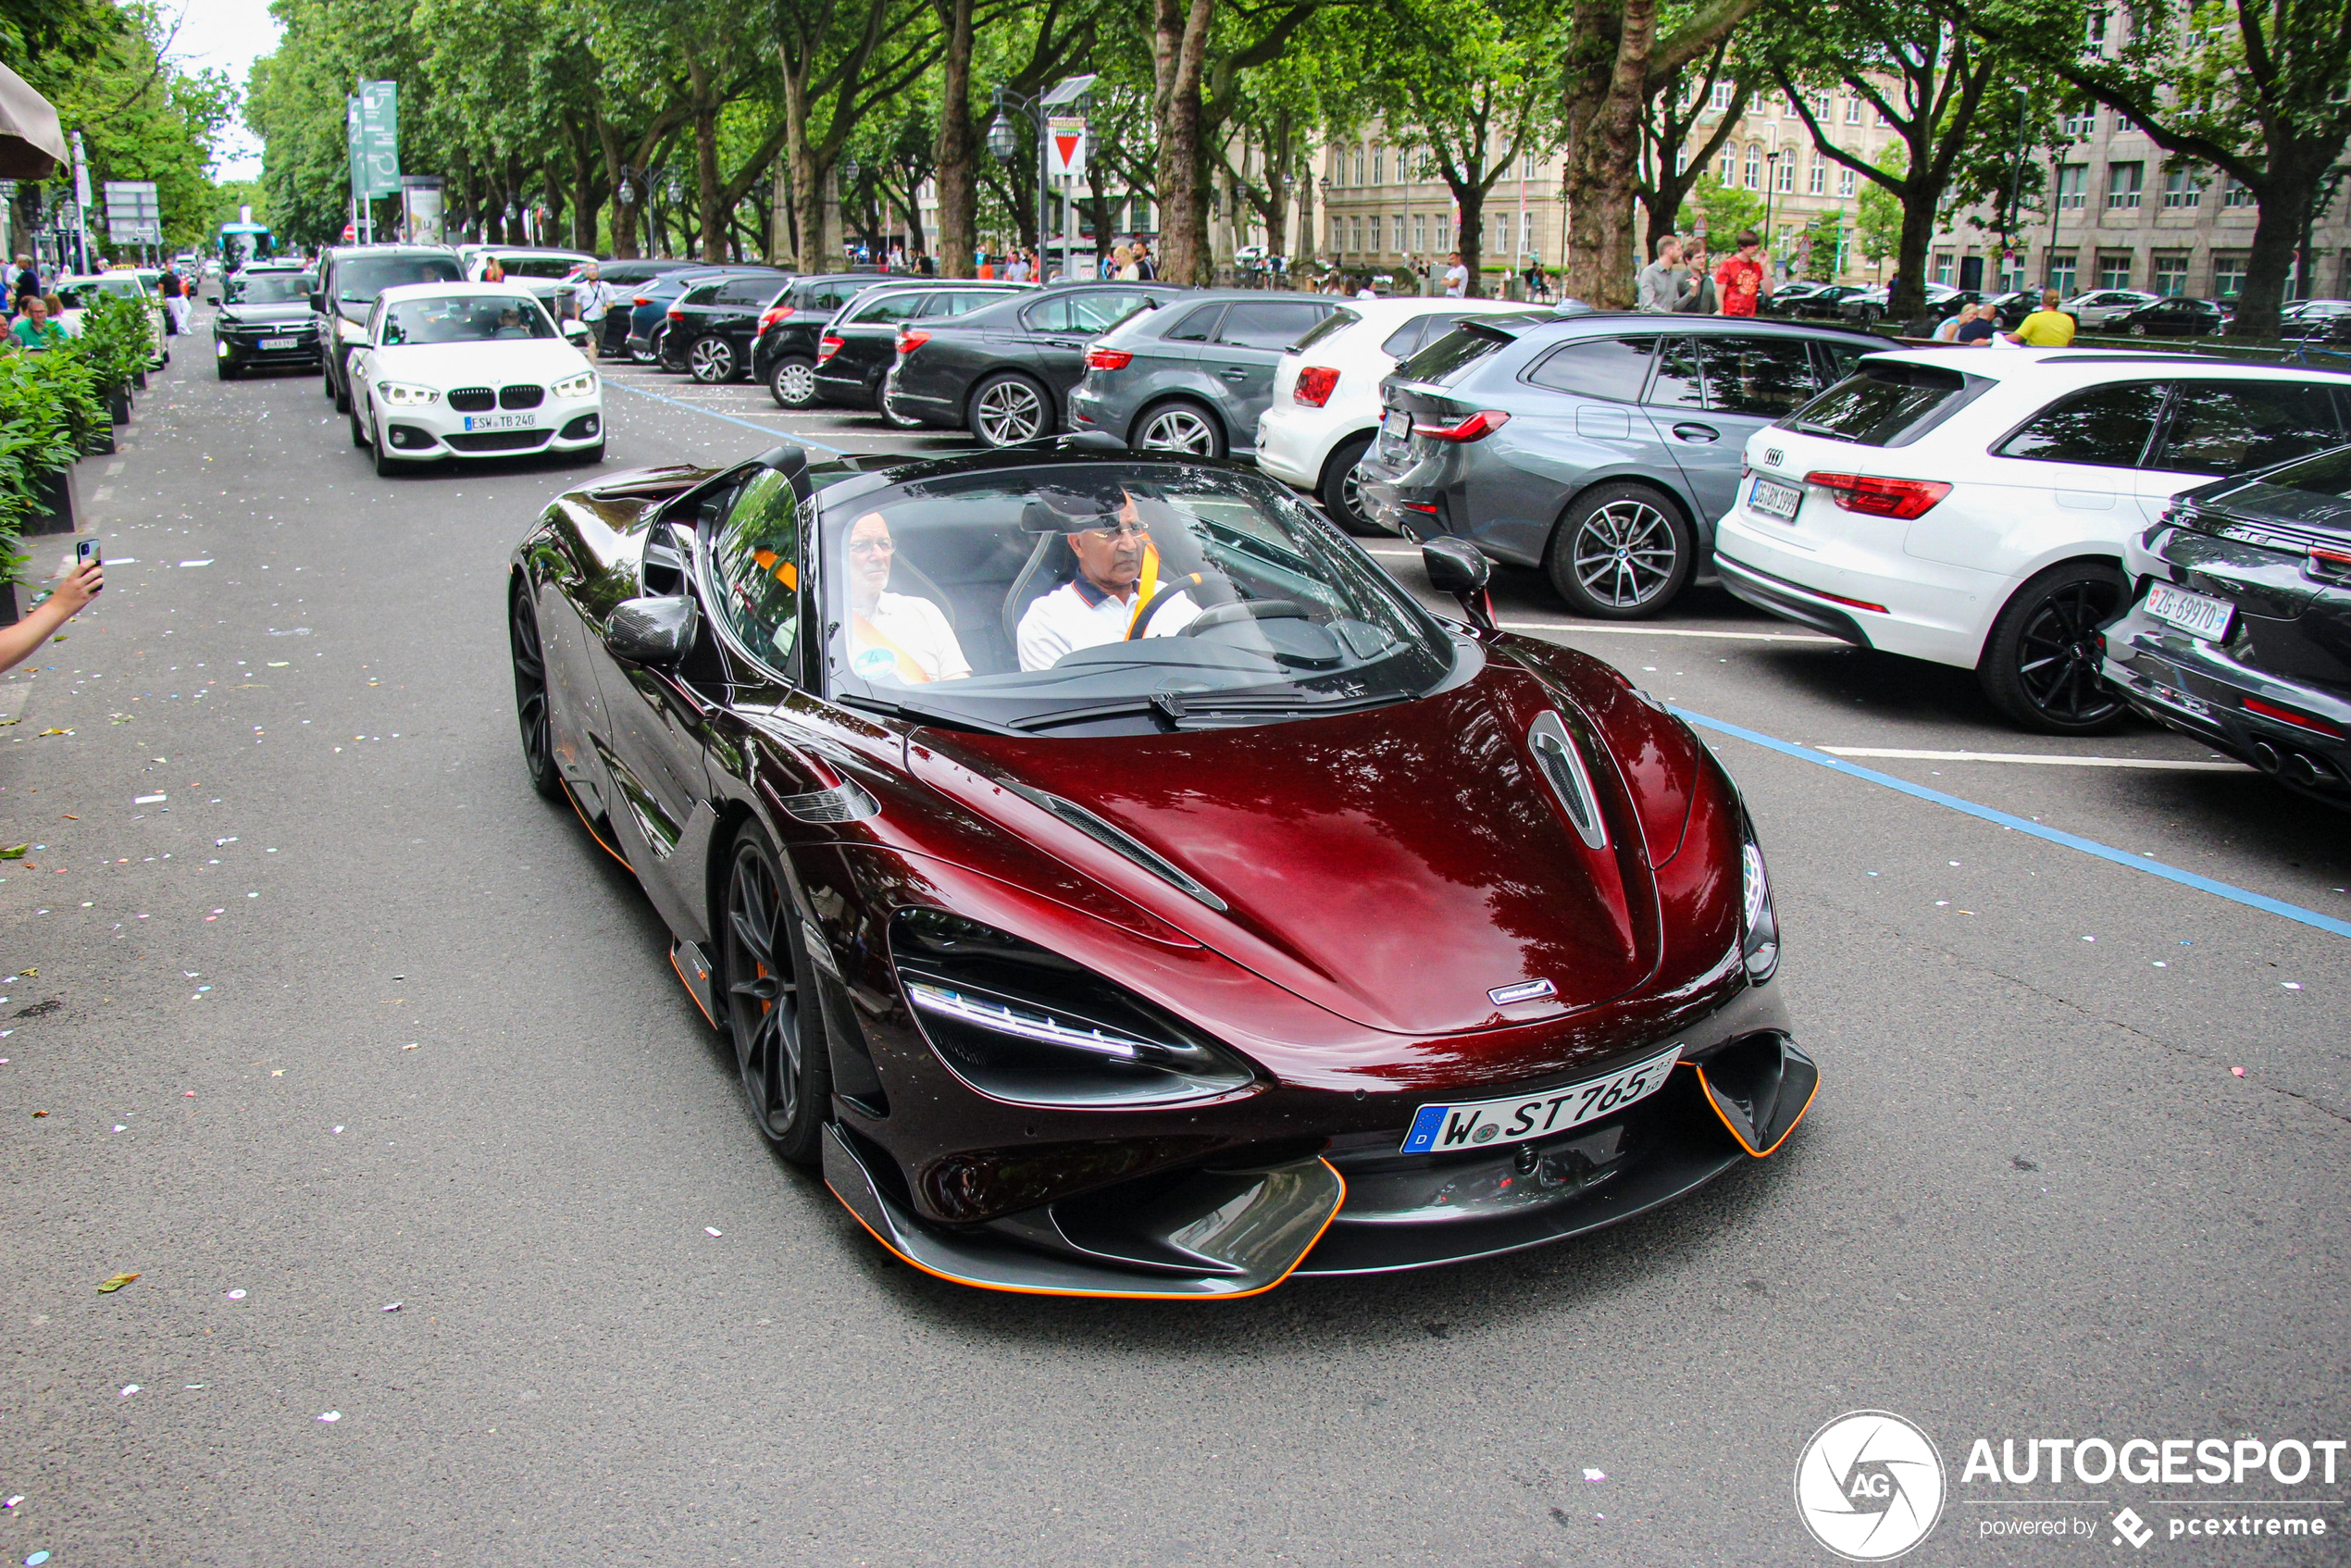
<point x="1117" y="580"/>
<point x="894" y="636"/>
<point x="510" y="322"/>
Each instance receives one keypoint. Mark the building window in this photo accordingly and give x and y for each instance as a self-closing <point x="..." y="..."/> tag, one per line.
<point x="1502" y="234"/>
<point x="2122" y="187"/>
<point x="1355" y="235"/>
<point x="2094" y="32"/>
<point x="1727" y="167"/>
<point x="1527" y="167"/>
<point x="1332" y="243"/>
<point x="1817" y="182"/>
<point x="2073" y="186"/>
<point x="1358" y="166"/>
<point x="1822" y="103"/>
<point x="1397" y="233"/>
<point x="1942" y="268"/>
<point x="2078" y="127"/>
<point x="2171" y="272"/>
<point x="1852" y="111"/>
<point x="1444" y="231"/>
<point x="1755" y="165"/>
<point x="1783" y="172"/>
<point x="2114" y="269"/>
<point x="1720" y="99"/>
<point x="2236" y="193"/>
<point x="1882" y="119"/>
<point x="1682" y="159"/>
<point x="1379" y="159"/>
<point x="1845" y="179"/>
<point x="2064" y="272"/>
<point x="2182" y="189"/>
<point x="2227" y="273"/>
<point x="1420" y="232"/>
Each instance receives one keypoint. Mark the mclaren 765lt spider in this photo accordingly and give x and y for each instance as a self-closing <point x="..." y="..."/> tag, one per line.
<point x="1117" y="886"/>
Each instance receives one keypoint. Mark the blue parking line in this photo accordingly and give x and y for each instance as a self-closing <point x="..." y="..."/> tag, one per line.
<point x="2026" y="825"/>
<point x="763" y="430"/>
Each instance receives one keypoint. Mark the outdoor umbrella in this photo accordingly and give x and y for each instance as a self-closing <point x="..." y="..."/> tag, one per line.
<point x="31" y="144"/>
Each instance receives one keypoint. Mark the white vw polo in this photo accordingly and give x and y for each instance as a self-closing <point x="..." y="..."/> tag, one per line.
<point x="1971" y="506"/>
<point x="472" y="370"/>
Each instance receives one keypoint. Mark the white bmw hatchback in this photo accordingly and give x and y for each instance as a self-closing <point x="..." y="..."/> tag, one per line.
<point x="1970" y="506"/>
<point x="472" y="370"/>
<point x="1326" y="397"/>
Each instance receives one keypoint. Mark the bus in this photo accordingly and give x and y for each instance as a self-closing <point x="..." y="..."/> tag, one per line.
<point x="237" y="243"/>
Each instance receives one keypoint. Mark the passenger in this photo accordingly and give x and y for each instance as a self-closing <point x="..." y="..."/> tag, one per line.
<point x="1117" y="578"/>
<point x="894" y="636"/>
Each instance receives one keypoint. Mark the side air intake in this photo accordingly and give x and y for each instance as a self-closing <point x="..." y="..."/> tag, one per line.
<point x="1562" y="766"/>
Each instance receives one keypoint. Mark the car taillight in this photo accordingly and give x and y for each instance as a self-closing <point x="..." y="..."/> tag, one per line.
<point x="826" y="346"/>
<point x="774" y="314"/>
<point x="1474" y="428"/>
<point x="1315" y="384"/>
<point x="2287" y="716"/>
<point x="1875" y="497"/>
<point x="909" y="341"/>
<point x="676" y="314"/>
<point x="2331" y="566"/>
<point x="642" y="299"/>
<point x="1108" y="359"/>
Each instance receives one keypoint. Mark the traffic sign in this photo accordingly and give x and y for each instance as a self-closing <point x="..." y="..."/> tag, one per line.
<point x="134" y="216"/>
<point x="1065" y="146"/>
<point x="376" y="140"/>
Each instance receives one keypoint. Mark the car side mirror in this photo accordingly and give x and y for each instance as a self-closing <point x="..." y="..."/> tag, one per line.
<point x="575" y="333"/>
<point x="1455" y="566"/>
<point x="319" y="302"/>
<point x="653" y="631"/>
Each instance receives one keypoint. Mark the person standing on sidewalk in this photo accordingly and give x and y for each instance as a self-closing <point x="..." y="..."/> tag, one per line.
<point x="1456" y="277"/>
<point x="1664" y="283"/>
<point x="1740" y="278"/>
<point x="593" y="297"/>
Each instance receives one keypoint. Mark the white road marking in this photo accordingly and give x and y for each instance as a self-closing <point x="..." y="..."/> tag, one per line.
<point x="2158" y="764"/>
<point x="1668" y="631"/>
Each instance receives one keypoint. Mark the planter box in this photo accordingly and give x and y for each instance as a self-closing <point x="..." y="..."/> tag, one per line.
<point x="139" y="380"/>
<point x="55" y="506"/>
<point x="101" y="442"/>
<point x="8" y="603"/>
<point x="119" y="404"/>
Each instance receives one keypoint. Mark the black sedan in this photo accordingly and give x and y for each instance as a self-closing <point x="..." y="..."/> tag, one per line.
<point x="264" y="320"/>
<point x="783" y="342"/>
<point x="860" y="343"/>
<point x="2171" y="318"/>
<point x="1811" y="300"/>
<point x="2241" y="633"/>
<point x="1005" y="373"/>
<point x="1042" y="932"/>
<point x="710" y="327"/>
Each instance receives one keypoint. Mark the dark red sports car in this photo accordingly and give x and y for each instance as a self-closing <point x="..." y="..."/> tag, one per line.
<point x="1120" y="887"/>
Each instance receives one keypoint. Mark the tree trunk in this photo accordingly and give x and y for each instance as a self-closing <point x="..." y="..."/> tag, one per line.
<point x="1470" y="238"/>
<point x="1607" y="86"/>
<point x="2277" y="230"/>
<point x="958" y="147"/>
<point x="1908" y="296"/>
<point x="710" y="215"/>
<point x="1179" y="52"/>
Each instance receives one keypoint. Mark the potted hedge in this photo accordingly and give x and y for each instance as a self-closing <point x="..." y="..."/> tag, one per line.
<point x="49" y="409"/>
<point x="114" y="339"/>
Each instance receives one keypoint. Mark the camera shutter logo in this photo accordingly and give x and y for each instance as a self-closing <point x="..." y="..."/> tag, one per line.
<point x="1869" y="1486"/>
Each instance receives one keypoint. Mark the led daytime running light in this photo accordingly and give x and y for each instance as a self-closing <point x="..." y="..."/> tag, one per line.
<point x="983" y="1013"/>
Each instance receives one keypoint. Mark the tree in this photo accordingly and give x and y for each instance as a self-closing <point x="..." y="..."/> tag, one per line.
<point x="1617" y="58"/>
<point x="1671" y="170"/>
<point x="840" y="59"/>
<point x="2254" y="90"/>
<point x="1195" y="71"/>
<point x="1727" y="209"/>
<point x="1878" y="227"/>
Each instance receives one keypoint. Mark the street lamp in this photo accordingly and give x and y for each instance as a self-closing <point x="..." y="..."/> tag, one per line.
<point x="1068" y="92"/>
<point x="1770" y="189"/>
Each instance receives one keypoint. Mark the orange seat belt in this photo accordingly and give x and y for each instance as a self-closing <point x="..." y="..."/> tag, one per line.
<point x="1144" y="589"/>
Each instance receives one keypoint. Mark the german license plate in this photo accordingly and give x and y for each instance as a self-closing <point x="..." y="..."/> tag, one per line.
<point x="1397" y="426"/>
<point x="1473" y="1124"/>
<point x="502" y="421"/>
<point x="2191" y="613"/>
<point x="278" y="342"/>
<point x="1778" y="499"/>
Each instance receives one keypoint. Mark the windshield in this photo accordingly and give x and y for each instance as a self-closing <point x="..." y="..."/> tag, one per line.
<point x="78" y="296"/>
<point x="359" y="282"/>
<point x="465" y="319"/>
<point x="269" y="288"/>
<point x="538" y="265"/>
<point x="1108" y="598"/>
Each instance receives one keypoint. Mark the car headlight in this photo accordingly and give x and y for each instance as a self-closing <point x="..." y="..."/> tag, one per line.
<point x="1020" y="1023"/>
<point x="401" y="395"/>
<point x="1759" y="923"/>
<point x="575" y="386"/>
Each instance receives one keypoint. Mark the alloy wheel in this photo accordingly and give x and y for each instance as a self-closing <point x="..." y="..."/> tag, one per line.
<point x="1010" y="411"/>
<point x="763" y="993"/>
<point x="1178" y="429"/>
<point x="2058" y="653"/>
<point x="1625" y="554"/>
<point x="711" y="360"/>
<point x="794" y="383"/>
<point x="531" y="696"/>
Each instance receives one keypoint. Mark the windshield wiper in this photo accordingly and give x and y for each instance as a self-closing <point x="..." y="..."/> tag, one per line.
<point x="1171" y="709"/>
<point x="897" y="709"/>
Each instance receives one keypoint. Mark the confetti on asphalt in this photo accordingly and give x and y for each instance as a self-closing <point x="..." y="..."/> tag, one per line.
<point x="712" y="1230"/>
<point x="236" y="1295"/>
<point x="394" y="1307"/>
<point x="1592" y="1474"/>
<point x="330" y="1416"/>
<point x="127" y="1389"/>
<point x="13" y="852"/>
<point x="36" y="1559"/>
<point x="117" y="1282"/>
<point x="147" y="800"/>
<point x="2237" y="1072"/>
<point x="2291" y="984"/>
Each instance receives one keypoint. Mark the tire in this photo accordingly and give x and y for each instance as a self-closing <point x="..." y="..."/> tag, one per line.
<point x="895" y="421"/>
<point x="223" y="369"/>
<point x="1179" y="426"/>
<point x="1622" y="552"/>
<point x="325" y="379"/>
<point x="386" y="464"/>
<point x="644" y="355"/>
<point x="792" y="383"/>
<point x="342" y="392"/>
<point x="2138" y="328"/>
<point x="2040" y="665"/>
<point x="359" y="430"/>
<point x="713" y="360"/>
<point x="530" y="697"/>
<point x="589" y="456"/>
<point x="1337" y="491"/>
<point x="1007" y="409"/>
<point x="773" y="1011"/>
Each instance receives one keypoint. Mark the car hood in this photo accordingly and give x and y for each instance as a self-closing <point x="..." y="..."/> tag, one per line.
<point x="461" y="364"/>
<point x="1393" y="867"/>
<point x="254" y="315"/>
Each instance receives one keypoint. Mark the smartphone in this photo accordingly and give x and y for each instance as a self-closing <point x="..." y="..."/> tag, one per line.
<point x="84" y="553"/>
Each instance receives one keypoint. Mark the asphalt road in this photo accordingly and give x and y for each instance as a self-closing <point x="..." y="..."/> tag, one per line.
<point x="349" y="1018"/>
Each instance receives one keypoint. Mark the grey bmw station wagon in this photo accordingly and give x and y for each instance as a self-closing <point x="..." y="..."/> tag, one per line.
<point x="1598" y="446"/>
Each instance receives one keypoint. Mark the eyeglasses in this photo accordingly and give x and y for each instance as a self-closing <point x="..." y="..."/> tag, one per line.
<point x="1114" y="532"/>
<point x="872" y="547"/>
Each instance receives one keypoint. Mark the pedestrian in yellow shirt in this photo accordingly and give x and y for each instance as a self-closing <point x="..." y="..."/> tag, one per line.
<point x="2046" y="327"/>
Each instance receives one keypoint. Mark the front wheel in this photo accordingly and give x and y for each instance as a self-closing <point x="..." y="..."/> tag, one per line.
<point x="792" y="383"/>
<point x="2138" y="328"/>
<point x="772" y="1010"/>
<point x="386" y="464"/>
<point x="1341" y="495"/>
<point x="589" y="456"/>
<point x="343" y="396"/>
<point x="711" y="359"/>
<point x="2040" y="665"/>
<point x="1622" y="552"/>
<point x="531" y="696"/>
<point x="225" y="370"/>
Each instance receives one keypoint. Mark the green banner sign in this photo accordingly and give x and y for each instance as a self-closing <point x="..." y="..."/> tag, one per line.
<point x="376" y="140"/>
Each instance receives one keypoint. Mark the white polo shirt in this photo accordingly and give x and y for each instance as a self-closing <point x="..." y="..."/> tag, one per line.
<point x="1077" y="615"/>
<point x="904" y="625"/>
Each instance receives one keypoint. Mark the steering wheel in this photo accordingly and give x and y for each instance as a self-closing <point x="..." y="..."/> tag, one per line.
<point x="1246" y="610"/>
<point x="1152" y="607"/>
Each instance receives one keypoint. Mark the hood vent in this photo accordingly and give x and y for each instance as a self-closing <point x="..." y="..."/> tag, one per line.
<point x="1563" y="765"/>
<point x="1110" y="839"/>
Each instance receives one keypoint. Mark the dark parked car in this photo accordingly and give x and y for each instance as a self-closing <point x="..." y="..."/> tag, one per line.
<point x="649" y="306"/>
<point x="1601" y="447"/>
<point x="708" y="329"/>
<point x="784" y="336"/>
<point x="350" y="277"/>
<point x="858" y="345"/>
<point x="1809" y="299"/>
<point x="1870" y="304"/>
<point x="1193" y="378"/>
<point x="264" y="319"/>
<point x="2240" y="629"/>
<point x="2315" y="321"/>
<point x="1048" y="940"/>
<point x="1005" y="372"/>
<point x="2171" y="318"/>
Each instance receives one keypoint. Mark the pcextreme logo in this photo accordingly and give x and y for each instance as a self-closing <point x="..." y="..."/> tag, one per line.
<point x="1869" y="1486"/>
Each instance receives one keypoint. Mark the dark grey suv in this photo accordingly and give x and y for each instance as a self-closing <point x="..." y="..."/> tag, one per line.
<point x="1195" y="375"/>
<point x="1601" y="447"/>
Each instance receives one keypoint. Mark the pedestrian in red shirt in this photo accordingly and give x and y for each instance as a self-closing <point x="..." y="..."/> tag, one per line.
<point x="1740" y="278"/>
